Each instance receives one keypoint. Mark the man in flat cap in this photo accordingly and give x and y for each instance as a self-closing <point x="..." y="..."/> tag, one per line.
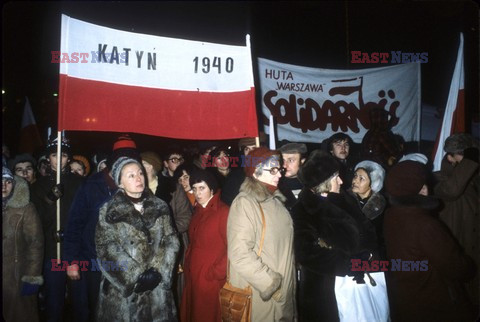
<point x="293" y="155"/>
<point x="458" y="185"/>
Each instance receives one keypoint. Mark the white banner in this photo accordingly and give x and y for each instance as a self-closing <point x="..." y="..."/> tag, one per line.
<point x="311" y="104"/>
<point x="99" y="53"/>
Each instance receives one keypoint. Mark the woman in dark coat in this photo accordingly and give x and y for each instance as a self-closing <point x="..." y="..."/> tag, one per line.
<point x="326" y="237"/>
<point x="136" y="237"/>
<point x="414" y="233"/>
<point x="206" y="258"/>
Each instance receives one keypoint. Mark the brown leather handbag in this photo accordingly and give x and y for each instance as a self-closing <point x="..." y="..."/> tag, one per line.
<point x="236" y="303"/>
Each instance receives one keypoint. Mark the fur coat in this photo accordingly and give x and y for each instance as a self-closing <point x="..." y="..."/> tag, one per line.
<point x="22" y="250"/>
<point x="272" y="274"/>
<point x="136" y="242"/>
<point x="328" y="232"/>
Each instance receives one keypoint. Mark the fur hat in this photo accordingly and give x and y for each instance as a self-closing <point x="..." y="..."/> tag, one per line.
<point x="199" y="175"/>
<point x="375" y="172"/>
<point x="319" y="167"/>
<point x="294" y="148"/>
<point x="261" y="155"/>
<point x="419" y="157"/>
<point x="24" y="157"/>
<point x="52" y="146"/>
<point x="153" y="159"/>
<point x="457" y="143"/>
<point x="6" y="173"/>
<point x="118" y="166"/>
<point x="406" y="179"/>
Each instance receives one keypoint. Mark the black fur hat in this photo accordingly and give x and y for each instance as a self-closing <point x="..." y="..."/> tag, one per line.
<point x="319" y="167"/>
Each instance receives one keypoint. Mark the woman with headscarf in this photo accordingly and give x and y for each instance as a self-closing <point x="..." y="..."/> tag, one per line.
<point x="22" y="256"/>
<point x="271" y="274"/>
<point x="135" y="233"/>
<point x="328" y="236"/>
<point x="206" y="257"/>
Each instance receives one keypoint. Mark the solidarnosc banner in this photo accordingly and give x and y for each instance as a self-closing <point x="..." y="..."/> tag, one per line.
<point x="310" y="104"/>
<point x="112" y="80"/>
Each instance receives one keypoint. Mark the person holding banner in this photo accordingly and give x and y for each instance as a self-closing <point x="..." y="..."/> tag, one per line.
<point x="137" y="241"/>
<point x="45" y="193"/>
<point x="271" y="274"/>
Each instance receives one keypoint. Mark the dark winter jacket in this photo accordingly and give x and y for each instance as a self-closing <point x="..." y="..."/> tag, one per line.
<point x="412" y="233"/>
<point x="328" y="232"/>
<point x="137" y="242"/>
<point x="22" y="254"/>
<point x="79" y="243"/>
<point x="47" y="209"/>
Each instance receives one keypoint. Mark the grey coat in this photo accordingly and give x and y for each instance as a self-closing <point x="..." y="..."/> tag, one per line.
<point x="136" y="242"/>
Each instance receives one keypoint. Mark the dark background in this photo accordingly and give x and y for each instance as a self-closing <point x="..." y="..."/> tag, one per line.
<point x="315" y="34"/>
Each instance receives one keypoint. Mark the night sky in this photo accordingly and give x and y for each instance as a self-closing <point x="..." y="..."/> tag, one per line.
<point x="315" y="34"/>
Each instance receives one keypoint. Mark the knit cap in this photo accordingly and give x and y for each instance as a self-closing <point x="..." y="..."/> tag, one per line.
<point x="118" y="166"/>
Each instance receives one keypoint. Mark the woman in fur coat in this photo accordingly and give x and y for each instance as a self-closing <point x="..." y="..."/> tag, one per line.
<point x="272" y="274"/>
<point x="137" y="246"/>
<point x="366" y="186"/>
<point x="22" y="250"/>
<point x="329" y="232"/>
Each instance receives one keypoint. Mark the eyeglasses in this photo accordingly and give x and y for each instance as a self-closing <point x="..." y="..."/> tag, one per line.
<point x="176" y="160"/>
<point x="273" y="171"/>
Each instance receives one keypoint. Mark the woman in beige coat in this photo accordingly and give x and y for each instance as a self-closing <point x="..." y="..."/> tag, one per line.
<point x="272" y="274"/>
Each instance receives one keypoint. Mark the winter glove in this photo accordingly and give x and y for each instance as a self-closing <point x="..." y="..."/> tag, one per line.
<point x="358" y="276"/>
<point x="29" y="289"/>
<point x="56" y="192"/>
<point x="148" y="280"/>
<point x="471" y="154"/>
<point x="58" y="236"/>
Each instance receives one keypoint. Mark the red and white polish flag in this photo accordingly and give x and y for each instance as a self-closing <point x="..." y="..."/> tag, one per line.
<point x="454" y="116"/>
<point x="112" y="80"/>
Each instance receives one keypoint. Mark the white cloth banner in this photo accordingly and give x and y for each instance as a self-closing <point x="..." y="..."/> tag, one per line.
<point x="99" y="53"/>
<point x="311" y="104"/>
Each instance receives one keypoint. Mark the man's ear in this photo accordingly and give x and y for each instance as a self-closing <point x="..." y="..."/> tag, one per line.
<point x="302" y="160"/>
<point x="165" y="164"/>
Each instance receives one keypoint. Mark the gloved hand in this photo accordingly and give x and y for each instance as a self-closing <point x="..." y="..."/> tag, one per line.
<point x="358" y="276"/>
<point x="56" y="192"/>
<point x="148" y="280"/>
<point x="29" y="289"/>
<point x="471" y="154"/>
<point x="58" y="236"/>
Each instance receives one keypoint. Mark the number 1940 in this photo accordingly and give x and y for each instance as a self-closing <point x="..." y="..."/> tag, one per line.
<point x="208" y="64"/>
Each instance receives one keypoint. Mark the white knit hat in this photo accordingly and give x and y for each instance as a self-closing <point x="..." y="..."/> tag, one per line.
<point x="375" y="172"/>
<point x="415" y="157"/>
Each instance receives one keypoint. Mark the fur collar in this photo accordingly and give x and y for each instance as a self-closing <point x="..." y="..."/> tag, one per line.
<point x="374" y="206"/>
<point x="418" y="201"/>
<point x="335" y="226"/>
<point x="20" y="195"/>
<point x="254" y="188"/>
<point x="121" y="209"/>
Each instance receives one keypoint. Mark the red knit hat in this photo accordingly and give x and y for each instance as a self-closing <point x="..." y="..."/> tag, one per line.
<point x="257" y="156"/>
<point x="124" y="141"/>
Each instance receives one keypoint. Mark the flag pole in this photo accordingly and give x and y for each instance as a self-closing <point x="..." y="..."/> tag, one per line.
<point x="59" y="164"/>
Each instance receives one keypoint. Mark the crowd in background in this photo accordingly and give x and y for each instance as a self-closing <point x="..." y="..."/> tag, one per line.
<point x="289" y="223"/>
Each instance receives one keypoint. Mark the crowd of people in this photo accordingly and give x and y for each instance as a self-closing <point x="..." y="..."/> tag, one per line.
<point x="346" y="232"/>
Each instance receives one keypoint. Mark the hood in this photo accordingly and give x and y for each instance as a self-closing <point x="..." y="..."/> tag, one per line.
<point x="21" y="194"/>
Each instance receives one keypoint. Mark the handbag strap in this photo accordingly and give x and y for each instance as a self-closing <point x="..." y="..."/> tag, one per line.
<point x="264" y="226"/>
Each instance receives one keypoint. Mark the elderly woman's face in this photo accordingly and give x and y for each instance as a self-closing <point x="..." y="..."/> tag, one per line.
<point x="361" y="183"/>
<point x="271" y="174"/>
<point x="7" y="187"/>
<point x="335" y="183"/>
<point x="202" y="192"/>
<point x="132" y="180"/>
